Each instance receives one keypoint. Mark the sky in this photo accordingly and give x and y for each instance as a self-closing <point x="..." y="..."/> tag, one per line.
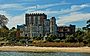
<point x="66" y="12"/>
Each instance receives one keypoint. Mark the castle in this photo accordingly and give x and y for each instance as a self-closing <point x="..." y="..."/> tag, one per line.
<point x="37" y="25"/>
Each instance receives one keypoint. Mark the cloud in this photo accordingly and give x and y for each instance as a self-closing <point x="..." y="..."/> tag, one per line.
<point x="45" y="6"/>
<point x="72" y="14"/>
<point x="78" y="7"/>
<point x="11" y="6"/>
<point x="2" y="12"/>
<point x="13" y="21"/>
<point x="19" y="19"/>
<point x="50" y="5"/>
<point x="16" y="20"/>
<point x="74" y="8"/>
<point x="73" y="17"/>
<point x="21" y="7"/>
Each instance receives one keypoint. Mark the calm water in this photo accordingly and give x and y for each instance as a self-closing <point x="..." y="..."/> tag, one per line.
<point x="41" y="54"/>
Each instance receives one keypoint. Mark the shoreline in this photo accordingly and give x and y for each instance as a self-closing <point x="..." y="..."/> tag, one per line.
<point x="45" y="49"/>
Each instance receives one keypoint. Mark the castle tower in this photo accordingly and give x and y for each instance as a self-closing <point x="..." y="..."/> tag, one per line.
<point x="35" y="24"/>
<point x="53" y="26"/>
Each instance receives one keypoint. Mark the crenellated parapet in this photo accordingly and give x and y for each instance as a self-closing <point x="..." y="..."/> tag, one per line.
<point x="35" y="14"/>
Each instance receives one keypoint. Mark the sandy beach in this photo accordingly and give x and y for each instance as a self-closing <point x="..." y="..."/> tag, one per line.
<point x="45" y="49"/>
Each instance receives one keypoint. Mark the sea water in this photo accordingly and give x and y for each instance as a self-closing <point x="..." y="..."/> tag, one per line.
<point x="42" y="54"/>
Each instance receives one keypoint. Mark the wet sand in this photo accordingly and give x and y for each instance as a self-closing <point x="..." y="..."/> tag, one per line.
<point x="45" y="49"/>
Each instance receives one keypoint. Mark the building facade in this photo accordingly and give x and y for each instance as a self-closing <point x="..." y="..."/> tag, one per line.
<point x="46" y="27"/>
<point x="65" y="30"/>
<point x="37" y="25"/>
<point x="23" y="29"/>
<point x="53" y="26"/>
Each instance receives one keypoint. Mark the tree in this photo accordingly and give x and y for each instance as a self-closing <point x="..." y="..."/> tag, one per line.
<point x="4" y="31"/>
<point x="87" y="32"/>
<point x="84" y="28"/>
<point x="51" y="38"/>
<point x="3" y="20"/>
<point x="88" y="21"/>
<point x="79" y="35"/>
<point x="12" y="35"/>
<point x="13" y="32"/>
<point x="88" y="24"/>
<point x="5" y="27"/>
